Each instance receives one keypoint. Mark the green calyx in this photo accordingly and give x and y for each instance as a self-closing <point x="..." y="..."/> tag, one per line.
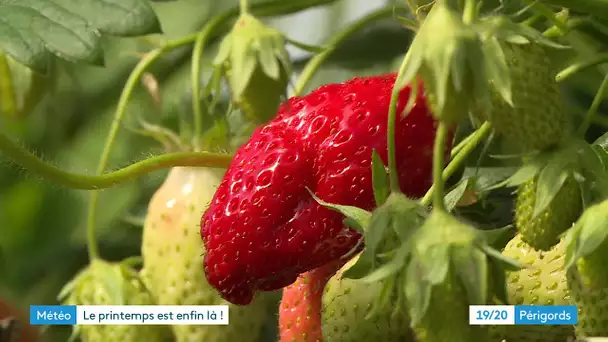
<point x="449" y="253"/>
<point x="542" y="229"/>
<point x="586" y="259"/>
<point x="445" y="53"/>
<point x="587" y="241"/>
<point x="109" y="283"/>
<point x="258" y="66"/>
<point x="463" y="63"/>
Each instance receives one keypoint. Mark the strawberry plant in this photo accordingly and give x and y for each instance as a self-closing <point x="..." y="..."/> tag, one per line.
<point x="425" y="157"/>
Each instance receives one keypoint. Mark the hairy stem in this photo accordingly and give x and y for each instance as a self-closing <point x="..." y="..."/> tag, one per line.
<point x="390" y="134"/>
<point x="270" y="8"/>
<point x="575" y="68"/>
<point x="598" y="8"/>
<point x="72" y="180"/>
<point x="459" y="159"/>
<point x="197" y="55"/>
<point x="243" y="6"/>
<point x="438" y="164"/>
<point x="123" y="101"/>
<point x="597" y="101"/>
<point x="415" y="9"/>
<point x="313" y="65"/>
<point x="470" y="11"/>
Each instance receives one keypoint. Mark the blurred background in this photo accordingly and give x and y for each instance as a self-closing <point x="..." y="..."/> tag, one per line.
<point x="42" y="225"/>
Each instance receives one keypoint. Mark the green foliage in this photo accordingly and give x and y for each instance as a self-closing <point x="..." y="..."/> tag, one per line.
<point x="35" y="30"/>
<point x="64" y="65"/>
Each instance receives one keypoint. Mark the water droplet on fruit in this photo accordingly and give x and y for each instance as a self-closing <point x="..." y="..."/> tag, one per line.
<point x="264" y="178"/>
<point x="373" y="130"/>
<point x="271" y="159"/>
<point x="233" y="205"/>
<point x="342" y="137"/>
<point x="236" y="187"/>
<point x="317" y="124"/>
<point x="290" y="158"/>
<point x="256" y="200"/>
<point x="349" y="98"/>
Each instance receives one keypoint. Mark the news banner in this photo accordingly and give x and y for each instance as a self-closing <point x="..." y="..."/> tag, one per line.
<point x="218" y="315"/>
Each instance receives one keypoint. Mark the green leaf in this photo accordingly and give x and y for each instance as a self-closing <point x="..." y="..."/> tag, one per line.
<point x="452" y="198"/>
<point x="125" y="18"/>
<point x="359" y="217"/>
<point x="389" y="269"/>
<point x="243" y="61"/>
<point x="499" y="281"/>
<point x="472" y="269"/>
<point x="571" y="240"/>
<point x="223" y="53"/>
<point x="524" y="174"/>
<point x="417" y="292"/>
<point x="505" y="262"/>
<point x="592" y="160"/>
<point x="589" y="232"/>
<point x="549" y="182"/>
<point x="31" y="29"/>
<point x="486" y="177"/>
<point x="8" y="98"/>
<point x="602" y="141"/>
<point x="435" y="262"/>
<point x="407" y="215"/>
<point x="69" y="287"/>
<point x="497" y="238"/>
<point x="268" y="61"/>
<point x="378" y="226"/>
<point x="112" y="279"/>
<point x="383" y="300"/>
<point x="496" y="68"/>
<point x="380" y="180"/>
<point x="361" y="267"/>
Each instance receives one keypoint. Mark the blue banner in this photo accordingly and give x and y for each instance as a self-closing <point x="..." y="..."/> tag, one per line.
<point x="53" y="314"/>
<point x="546" y="315"/>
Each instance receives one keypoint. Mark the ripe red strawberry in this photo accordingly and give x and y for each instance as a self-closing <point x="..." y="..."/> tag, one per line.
<point x="15" y="326"/>
<point x="263" y="228"/>
<point x="301" y="305"/>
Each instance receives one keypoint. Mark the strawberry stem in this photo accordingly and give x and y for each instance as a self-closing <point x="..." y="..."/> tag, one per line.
<point x="125" y="96"/>
<point x="334" y="42"/>
<point x="197" y="56"/>
<point x="548" y="13"/>
<point x="597" y="101"/>
<point x="36" y="165"/>
<point x="390" y="134"/>
<point x="244" y="6"/>
<point x="472" y="141"/>
<point x="415" y="9"/>
<point x="438" y="164"/>
<point x="270" y="8"/>
<point x="470" y="11"/>
<point x="575" y="68"/>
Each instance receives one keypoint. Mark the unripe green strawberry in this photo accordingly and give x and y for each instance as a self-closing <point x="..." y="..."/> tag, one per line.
<point x="104" y="283"/>
<point x="173" y="257"/>
<point x="589" y="285"/>
<point x="586" y="261"/>
<point x="447" y="308"/>
<point x="538" y="120"/>
<point x="262" y="96"/>
<point x="257" y="67"/>
<point x="544" y="283"/>
<point x="543" y="231"/>
<point x="346" y="304"/>
<point x="301" y="305"/>
<point x="446" y="254"/>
